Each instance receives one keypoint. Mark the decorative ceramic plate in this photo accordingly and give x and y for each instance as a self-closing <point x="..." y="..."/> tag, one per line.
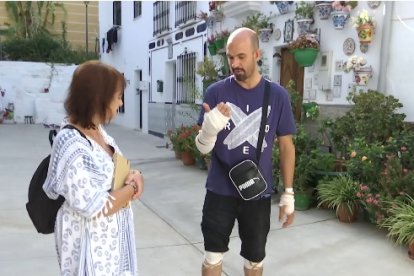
<point x="349" y="46"/>
<point x="278" y="33"/>
<point x="374" y="4"/>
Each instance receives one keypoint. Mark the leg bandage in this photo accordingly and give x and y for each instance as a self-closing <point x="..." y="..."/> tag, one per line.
<point x="252" y="265"/>
<point x="212" y="258"/>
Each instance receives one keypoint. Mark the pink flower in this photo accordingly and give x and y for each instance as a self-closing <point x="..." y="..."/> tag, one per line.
<point x="353" y="154"/>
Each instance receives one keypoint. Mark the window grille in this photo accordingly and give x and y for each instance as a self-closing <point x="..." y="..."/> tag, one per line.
<point x="185" y="11"/>
<point x="161" y="17"/>
<point x="137" y="8"/>
<point x="117" y="20"/>
<point x="186" y="77"/>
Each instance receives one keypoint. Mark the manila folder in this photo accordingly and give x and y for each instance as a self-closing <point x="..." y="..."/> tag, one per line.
<point x="121" y="170"/>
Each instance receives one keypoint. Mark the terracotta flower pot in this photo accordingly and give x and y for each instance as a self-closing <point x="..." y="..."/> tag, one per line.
<point x="187" y="158"/>
<point x="346" y="215"/>
<point x="411" y="251"/>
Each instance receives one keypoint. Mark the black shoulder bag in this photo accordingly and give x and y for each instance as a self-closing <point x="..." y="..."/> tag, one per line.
<point x="246" y="176"/>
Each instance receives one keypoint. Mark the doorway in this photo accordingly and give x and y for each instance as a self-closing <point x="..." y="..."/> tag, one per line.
<point x="290" y="70"/>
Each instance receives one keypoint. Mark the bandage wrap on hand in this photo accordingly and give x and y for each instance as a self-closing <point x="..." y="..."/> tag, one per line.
<point x="214" y="122"/>
<point x="288" y="201"/>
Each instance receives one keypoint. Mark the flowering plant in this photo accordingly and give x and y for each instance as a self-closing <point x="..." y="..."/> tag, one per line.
<point x="354" y="63"/>
<point x="202" y="15"/>
<point x="362" y="18"/>
<point x="222" y="34"/>
<point x="211" y="39"/>
<point x="304" y="41"/>
<point x="186" y="138"/>
<point x="345" y="6"/>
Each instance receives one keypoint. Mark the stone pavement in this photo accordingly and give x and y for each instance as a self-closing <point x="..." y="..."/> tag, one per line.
<point x="167" y="221"/>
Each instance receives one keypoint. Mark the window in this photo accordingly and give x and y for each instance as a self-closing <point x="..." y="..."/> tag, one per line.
<point x="117" y="13"/>
<point x="137" y="8"/>
<point x="185" y="11"/>
<point x="186" y="68"/>
<point x="161" y="17"/>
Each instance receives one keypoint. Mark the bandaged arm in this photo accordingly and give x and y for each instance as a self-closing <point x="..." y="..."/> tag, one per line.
<point x="214" y="122"/>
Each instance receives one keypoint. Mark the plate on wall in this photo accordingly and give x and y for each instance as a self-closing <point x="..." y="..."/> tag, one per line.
<point x="374" y="4"/>
<point x="278" y="33"/>
<point x="349" y="46"/>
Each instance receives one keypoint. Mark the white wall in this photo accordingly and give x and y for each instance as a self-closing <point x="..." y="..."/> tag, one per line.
<point x="25" y="84"/>
<point x="132" y="53"/>
<point x="128" y="55"/>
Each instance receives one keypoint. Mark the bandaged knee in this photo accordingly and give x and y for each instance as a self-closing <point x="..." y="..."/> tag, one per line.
<point x="213" y="258"/>
<point x="252" y="265"/>
<point x="287" y="201"/>
<point x="214" y="122"/>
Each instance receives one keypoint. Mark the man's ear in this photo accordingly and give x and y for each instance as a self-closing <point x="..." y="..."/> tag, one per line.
<point x="257" y="55"/>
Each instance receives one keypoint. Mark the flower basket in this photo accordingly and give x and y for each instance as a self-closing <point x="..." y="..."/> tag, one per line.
<point x="282" y="6"/>
<point x="339" y="19"/>
<point x="305" y="57"/>
<point x="212" y="49"/>
<point x="219" y="43"/>
<point x="362" y="75"/>
<point x="365" y="33"/>
<point x="304" y="25"/>
<point x="264" y="34"/>
<point x="324" y="10"/>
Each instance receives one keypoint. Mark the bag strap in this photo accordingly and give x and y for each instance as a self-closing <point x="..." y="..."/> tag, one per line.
<point x="263" y="121"/>
<point x="262" y="127"/>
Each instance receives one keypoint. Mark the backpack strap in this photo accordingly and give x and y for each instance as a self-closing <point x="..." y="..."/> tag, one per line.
<point x="68" y="126"/>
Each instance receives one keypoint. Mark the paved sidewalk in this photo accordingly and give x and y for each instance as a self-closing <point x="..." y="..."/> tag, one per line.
<point x="167" y="221"/>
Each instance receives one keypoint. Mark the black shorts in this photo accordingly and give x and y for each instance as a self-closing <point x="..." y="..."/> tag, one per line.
<point x="253" y="217"/>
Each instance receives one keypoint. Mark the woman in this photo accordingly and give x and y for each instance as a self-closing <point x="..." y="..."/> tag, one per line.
<point x="94" y="228"/>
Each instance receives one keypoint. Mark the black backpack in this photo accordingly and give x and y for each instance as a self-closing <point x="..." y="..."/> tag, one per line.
<point x="42" y="210"/>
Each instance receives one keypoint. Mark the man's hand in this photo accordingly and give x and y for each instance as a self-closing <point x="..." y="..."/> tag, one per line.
<point x="286" y="209"/>
<point x="222" y="107"/>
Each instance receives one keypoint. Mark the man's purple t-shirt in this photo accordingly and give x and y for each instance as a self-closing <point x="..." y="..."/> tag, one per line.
<point x="238" y="140"/>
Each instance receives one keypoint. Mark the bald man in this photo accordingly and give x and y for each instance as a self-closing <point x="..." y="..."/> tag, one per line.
<point x="230" y="123"/>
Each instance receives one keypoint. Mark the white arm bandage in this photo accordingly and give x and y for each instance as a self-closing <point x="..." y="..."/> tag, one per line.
<point x="289" y="201"/>
<point x="214" y="122"/>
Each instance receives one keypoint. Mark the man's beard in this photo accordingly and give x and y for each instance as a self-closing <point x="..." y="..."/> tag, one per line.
<point x="240" y="75"/>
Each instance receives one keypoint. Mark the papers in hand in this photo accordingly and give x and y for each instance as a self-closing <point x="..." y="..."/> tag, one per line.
<point x="121" y="170"/>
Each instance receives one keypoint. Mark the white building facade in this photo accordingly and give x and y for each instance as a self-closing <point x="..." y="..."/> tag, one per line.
<point x="159" y="44"/>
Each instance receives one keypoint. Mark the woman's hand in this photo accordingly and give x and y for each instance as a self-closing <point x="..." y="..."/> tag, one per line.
<point x="136" y="178"/>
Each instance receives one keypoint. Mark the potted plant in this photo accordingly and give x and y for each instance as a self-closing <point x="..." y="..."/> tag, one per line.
<point x="212" y="49"/>
<point x="304" y="16"/>
<point x="186" y="144"/>
<point x="361" y="74"/>
<point x="341" y="11"/>
<point x="173" y="137"/>
<point x="305" y="49"/>
<point x="365" y="26"/>
<point x="282" y="6"/>
<point x="340" y="194"/>
<point x="400" y="224"/>
<point x="260" y="23"/>
<point x="207" y="70"/>
<point x="221" y="39"/>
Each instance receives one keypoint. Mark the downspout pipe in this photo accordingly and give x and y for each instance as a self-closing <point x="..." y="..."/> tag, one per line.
<point x="385" y="45"/>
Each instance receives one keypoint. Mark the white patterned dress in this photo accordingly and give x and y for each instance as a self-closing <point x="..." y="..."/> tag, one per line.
<point x="86" y="244"/>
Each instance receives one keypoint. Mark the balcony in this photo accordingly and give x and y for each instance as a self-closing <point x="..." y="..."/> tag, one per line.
<point x="240" y="8"/>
